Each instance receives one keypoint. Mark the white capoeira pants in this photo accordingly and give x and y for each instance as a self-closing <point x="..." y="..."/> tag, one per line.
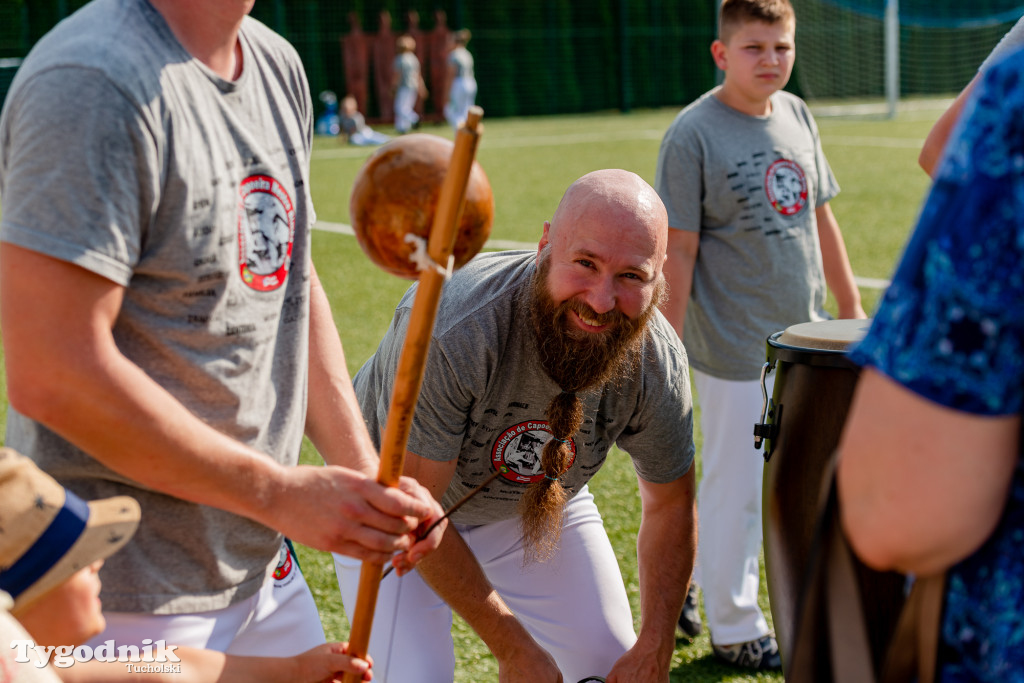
<point x="280" y="620"/>
<point x="405" y="109"/>
<point x="729" y="508"/>
<point x="574" y="605"/>
<point x="461" y="96"/>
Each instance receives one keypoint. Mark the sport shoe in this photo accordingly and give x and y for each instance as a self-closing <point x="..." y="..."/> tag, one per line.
<point x="762" y="653"/>
<point x="689" y="619"/>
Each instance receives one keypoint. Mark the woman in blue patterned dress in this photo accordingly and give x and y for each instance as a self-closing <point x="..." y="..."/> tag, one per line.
<point x="929" y="474"/>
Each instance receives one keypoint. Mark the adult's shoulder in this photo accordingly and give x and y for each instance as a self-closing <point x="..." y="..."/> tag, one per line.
<point x="97" y="76"/>
<point x="124" y="42"/>
<point x="665" y="341"/>
<point x="277" y="59"/>
<point x="488" y="286"/>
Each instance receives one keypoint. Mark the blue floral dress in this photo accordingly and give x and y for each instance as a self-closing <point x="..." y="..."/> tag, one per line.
<point x="951" y="328"/>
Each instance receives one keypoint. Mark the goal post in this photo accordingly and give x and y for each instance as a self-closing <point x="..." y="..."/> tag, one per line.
<point x="881" y="53"/>
<point x="892" y="56"/>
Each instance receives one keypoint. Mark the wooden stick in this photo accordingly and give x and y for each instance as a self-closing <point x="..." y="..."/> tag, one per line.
<point x="413" y="358"/>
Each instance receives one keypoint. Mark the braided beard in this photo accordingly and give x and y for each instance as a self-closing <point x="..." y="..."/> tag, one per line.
<point x="576" y="361"/>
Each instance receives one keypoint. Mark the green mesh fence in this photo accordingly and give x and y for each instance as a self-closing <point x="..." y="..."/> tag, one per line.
<point x="556" y="56"/>
<point x="841" y="53"/>
<point x="532" y="57"/>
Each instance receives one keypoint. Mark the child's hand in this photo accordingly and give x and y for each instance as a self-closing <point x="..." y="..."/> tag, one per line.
<point x="328" y="662"/>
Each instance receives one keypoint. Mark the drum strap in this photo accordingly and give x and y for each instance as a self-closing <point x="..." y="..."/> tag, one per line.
<point x="831" y="641"/>
<point x="915" y="644"/>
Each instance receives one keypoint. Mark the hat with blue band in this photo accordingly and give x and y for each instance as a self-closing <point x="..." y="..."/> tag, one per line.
<point x="48" y="533"/>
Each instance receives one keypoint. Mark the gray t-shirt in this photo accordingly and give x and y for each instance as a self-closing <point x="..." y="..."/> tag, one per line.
<point x="750" y="186"/>
<point x="122" y="154"/>
<point x="485" y="393"/>
<point x="462" y="60"/>
<point x="408" y="69"/>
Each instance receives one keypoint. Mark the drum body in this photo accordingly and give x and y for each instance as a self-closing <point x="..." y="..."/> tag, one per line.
<point x="814" y="386"/>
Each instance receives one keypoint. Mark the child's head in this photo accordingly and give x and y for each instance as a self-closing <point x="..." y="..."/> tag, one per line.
<point x="348" y="105"/>
<point x="462" y="37"/>
<point x="755" y="49"/>
<point x="405" y="44"/>
<point x="68" y="614"/>
<point x="52" y="544"/>
<point x="734" y="14"/>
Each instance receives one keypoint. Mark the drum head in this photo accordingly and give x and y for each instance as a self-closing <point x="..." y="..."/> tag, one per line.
<point x="825" y="335"/>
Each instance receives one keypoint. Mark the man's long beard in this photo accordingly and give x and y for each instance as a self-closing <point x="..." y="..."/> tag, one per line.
<point x="576" y="361"/>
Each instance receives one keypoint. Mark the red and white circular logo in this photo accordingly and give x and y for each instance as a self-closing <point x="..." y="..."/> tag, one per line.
<point x="517" y="451"/>
<point x="284" y="564"/>
<point x="786" y="185"/>
<point x="266" y="231"/>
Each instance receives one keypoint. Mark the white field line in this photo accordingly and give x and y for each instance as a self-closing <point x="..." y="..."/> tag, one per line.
<point x="344" y="152"/>
<point x="907" y="108"/>
<point x="344" y="229"/>
<point x="871" y="141"/>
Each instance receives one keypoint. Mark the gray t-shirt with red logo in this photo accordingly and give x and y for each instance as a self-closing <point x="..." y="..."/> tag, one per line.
<point x="122" y="154"/>
<point x="485" y="394"/>
<point x="750" y="185"/>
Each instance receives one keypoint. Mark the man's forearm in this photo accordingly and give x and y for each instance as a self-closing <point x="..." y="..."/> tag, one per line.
<point x="142" y="432"/>
<point x="665" y="560"/>
<point x="679" y="267"/>
<point x="836" y="264"/>
<point x="666" y="550"/>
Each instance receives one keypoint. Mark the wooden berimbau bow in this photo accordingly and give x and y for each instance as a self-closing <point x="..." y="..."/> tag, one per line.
<point x="411" y="362"/>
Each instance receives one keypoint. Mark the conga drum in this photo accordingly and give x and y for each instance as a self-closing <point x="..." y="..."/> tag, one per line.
<point x="800" y="430"/>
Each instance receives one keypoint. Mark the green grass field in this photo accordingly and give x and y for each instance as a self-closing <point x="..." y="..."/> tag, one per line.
<point x="530" y="162"/>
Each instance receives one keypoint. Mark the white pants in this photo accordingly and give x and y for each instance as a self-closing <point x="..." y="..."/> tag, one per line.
<point x="280" y="620"/>
<point x="729" y="508"/>
<point x="405" y="112"/>
<point x="461" y="97"/>
<point x="574" y="605"/>
<point x="368" y="136"/>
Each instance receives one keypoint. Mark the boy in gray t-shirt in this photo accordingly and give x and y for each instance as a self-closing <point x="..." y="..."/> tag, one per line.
<point x="462" y="88"/>
<point x="753" y="245"/>
<point x="408" y="85"/>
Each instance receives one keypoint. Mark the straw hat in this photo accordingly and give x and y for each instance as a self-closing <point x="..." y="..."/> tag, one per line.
<point x="48" y="533"/>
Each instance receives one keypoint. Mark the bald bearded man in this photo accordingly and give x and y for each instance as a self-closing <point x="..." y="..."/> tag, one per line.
<point x="540" y="362"/>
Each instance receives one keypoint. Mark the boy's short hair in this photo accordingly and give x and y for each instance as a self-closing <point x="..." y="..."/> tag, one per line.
<point x="734" y="13"/>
